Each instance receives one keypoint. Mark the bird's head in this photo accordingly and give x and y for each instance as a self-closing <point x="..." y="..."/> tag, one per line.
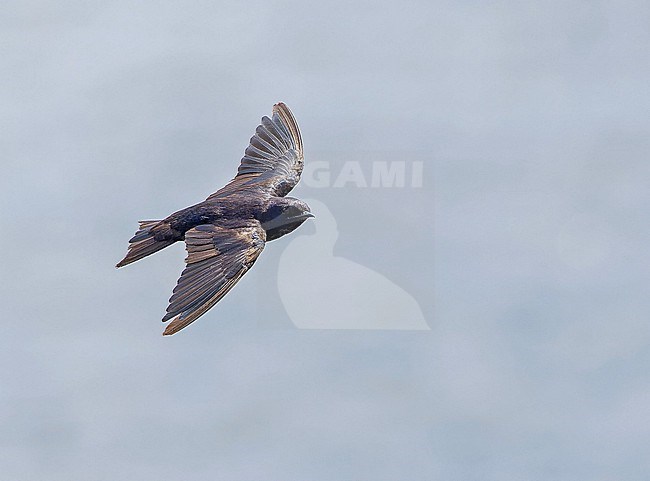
<point x="283" y="215"/>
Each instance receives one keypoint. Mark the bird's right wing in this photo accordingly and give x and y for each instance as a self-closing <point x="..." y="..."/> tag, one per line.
<point x="274" y="159"/>
<point x="217" y="257"/>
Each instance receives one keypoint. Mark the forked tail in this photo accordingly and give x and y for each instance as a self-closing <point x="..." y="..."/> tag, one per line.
<point x="143" y="243"/>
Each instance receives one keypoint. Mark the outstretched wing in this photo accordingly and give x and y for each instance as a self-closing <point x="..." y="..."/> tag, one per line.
<point x="217" y="258"/>
<point x="274" y="158"/>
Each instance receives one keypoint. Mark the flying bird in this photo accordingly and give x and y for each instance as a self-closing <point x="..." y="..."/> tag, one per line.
<point x="226" y="233"/>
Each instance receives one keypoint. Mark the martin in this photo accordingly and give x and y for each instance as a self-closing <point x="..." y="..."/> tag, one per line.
<point x="226" y="233"/>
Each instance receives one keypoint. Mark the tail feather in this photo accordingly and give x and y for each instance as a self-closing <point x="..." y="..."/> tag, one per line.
<point x="143" y="243"/>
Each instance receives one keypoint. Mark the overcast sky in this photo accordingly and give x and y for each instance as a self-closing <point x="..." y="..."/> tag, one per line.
<point x="525" y="248"/>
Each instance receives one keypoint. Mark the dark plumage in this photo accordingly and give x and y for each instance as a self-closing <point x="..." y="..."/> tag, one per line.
<point x="226" y="233"/>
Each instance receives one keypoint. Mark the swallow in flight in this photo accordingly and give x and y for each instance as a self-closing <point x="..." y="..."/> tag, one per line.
<point x="226" y="233"/>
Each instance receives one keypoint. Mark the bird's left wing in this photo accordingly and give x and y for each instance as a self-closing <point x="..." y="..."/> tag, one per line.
<point x="273" y="160"/>
<point x="217" y="257"/>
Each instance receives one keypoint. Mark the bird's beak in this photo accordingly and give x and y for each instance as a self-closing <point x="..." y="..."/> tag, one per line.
<point x="304" y="215"/>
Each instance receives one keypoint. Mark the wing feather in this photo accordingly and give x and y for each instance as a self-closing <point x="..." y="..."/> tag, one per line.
<point x="217" y="257"/>
<point x="274" y="159"/>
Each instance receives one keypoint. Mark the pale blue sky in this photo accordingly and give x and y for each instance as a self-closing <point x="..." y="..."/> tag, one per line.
<point x="526" y="247"/>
